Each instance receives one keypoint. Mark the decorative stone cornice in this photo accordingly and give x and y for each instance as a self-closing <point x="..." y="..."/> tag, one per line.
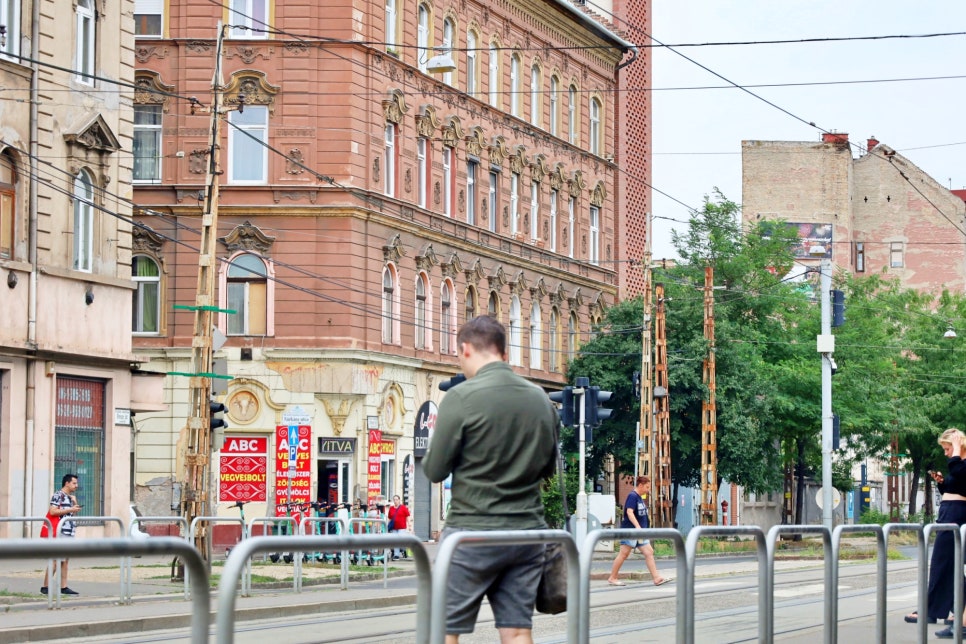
<point x="337" y="408"/>
<point x="247" y="237"/>
<point x="149" y="90"/>
<point x="144" y="239"/>
<point x="427" y="122"/>
<point x="519" y="285"/>
<point x="559" y="294"/>
<point x="576" y="300"/>
<point x="94" y="135"/>
<point x="475" y="272"/>
<point x="539" y="290"/>
<point x="394" y="107"/>
<point x="577" y="184"/>
<point x="538" y="168"/>
<point x="518" y="159"/>
<point x="557" y="177"/>
<point x="452" y="267"/>
<point x="498" y="150"/>
<point x="598" y="195"/>
<point x="427" y="259"/>
<point x="393" y="250"/>
<point x="249" y="87"/>
<point x="452" y="132"/>
<point x="498" y="279"/>
<point x="475" y="141"/>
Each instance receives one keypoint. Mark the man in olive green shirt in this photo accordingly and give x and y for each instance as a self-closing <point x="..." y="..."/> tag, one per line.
<point x="495" y="435"/>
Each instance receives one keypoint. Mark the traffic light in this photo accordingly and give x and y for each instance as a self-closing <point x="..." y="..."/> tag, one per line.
<point x="838" y="308"/>
<point x="449" y="383"/>
<point x="217" y="423"/>
<point x="594" y="414"/>
<point x="636" y="383"/>
<point x="566" y="400"/>
<point x="836" y="433"/>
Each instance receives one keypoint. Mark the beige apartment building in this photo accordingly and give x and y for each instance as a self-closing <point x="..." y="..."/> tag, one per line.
<point x="371" y="201"/>
<point x="68" y="376"/>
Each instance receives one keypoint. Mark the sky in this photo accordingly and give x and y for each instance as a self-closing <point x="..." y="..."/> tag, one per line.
<point x="697" y="133"/>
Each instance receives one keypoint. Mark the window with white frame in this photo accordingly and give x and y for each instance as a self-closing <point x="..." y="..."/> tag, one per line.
<point x="447" y="319"/>
<point x="247" y="139"/>
<point x="422" y="171"/>
<point x="554" y="106"/>
<point x="390" y="306"/>
<point x="448" y="177"/>
<point x="83" y="222"/>
<point x="86" y="30"/>
<point x="147" y="142"/>
<point x="449" y="35"/>
<point x="571" y="212"/>
<point x="859" y="257"/>
<point x="472" y="169"/>
<point x="423" y="52"/>
<point x="389" y="186"/>
<point x="593" y="250"/>
<point x="420" y="321"/>
<point x="516" y="333"/>
<point x="248" y="18"/>
<point x="553" y="341"/>
<point x="146" y="307"/>
<point x="514" y="203"/>
<point x="573" y="328"/>
<point x="10" y="17"/>
<point x="515" y="85"/>
<point x="536" y="339"/>
<point x="148" y="18"/>
<point x="594" y="135"/>
<point x="553" y="220"/>
<point x="536" y="96"/>
<point x="392" y="25"/>
<point x="472" y="63"/>
<point x="572" y="115"/>
<point x="534" y="209"/>
<point x="493" y="305"/>
<point x="469" y="307"/>
<point x="896" y="259"/>
<point x="493" y="202"/>
<point x="247" y="285"/>
<point x="493" y="81"/>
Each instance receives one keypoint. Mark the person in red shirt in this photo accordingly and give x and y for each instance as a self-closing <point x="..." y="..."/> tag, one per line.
<point x="399" y="520"/>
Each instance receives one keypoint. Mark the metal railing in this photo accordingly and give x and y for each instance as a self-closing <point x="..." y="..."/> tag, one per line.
<point x="125" y="567"/>
<point x="342" y="528"/>
<point x="193" y="528"/>
<point x="50" y="528"/>
<point x="182" y="524"/>
<point x="444" y="556"/>
<point x="587" y="560"/>
<point x="126" y="548"/>
<point x="882" y="561"/>
<point x="225" y="621"/>
<point x="771" y="541"/>
<point x="383" y="529"/>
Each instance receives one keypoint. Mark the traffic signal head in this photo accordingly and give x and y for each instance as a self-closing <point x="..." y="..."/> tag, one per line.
<point x="217" y="423"/>
<point x="838" y="308"/>
<point x="594" y="415"/>
<point x="566" y="400"/>
<point x="449" y="383"/>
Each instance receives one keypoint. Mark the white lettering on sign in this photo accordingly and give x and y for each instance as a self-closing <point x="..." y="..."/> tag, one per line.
<point x="243" y="445"/>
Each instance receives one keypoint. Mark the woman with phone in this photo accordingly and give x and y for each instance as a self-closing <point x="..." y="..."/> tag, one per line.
<point x="952" y="509"/>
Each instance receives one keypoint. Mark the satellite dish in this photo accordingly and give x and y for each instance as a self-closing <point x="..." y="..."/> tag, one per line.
<point x="836" y="498"/>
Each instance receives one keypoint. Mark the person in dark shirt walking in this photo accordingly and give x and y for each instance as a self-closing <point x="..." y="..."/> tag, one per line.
<point x="495" y="435"/>
<point x="635" y="517"/>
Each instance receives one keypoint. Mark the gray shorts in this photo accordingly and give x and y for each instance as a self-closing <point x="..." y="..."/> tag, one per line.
<point x="507" y="576"/>
<point x="635" y="544"/>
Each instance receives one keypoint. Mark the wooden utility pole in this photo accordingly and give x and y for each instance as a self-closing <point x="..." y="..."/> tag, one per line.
<point x="892" y="477"/>
<point x="645" y="453"/>
<point x="196" y="487"/>
<point x="662" y="515"/>
<point x="709" y="422"/>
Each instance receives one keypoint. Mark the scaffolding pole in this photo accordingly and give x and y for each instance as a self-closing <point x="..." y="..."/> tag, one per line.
<point x="662" y="515"/>
<point x="709" y="422"/>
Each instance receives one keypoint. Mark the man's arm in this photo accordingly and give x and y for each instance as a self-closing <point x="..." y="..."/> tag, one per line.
<point x="444" y="448"/>
<point x="632" y="516"/>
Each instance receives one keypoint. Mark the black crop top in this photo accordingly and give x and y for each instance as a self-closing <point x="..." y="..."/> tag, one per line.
<point x="955" y="481"/>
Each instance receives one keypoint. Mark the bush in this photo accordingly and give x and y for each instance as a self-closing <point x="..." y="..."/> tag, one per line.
<point x="873" y="516"/>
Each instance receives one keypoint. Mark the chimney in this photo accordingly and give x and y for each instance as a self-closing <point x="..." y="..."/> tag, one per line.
<point x="872" y="142"/>
<point x="841" y="138"/>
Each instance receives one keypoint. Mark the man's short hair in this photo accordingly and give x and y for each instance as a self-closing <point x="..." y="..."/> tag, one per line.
<point x="67" y="478"/>
<point x="484" y="333"/>
<point x="641" y="480"/>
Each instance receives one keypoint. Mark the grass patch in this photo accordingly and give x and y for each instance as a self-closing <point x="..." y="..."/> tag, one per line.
<point x="9" y="593"/>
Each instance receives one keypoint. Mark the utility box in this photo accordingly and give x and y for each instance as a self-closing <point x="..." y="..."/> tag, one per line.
<point x="603" y="507"/>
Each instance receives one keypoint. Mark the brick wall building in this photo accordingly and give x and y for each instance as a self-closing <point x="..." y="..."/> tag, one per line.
<point x="369" y="206"/>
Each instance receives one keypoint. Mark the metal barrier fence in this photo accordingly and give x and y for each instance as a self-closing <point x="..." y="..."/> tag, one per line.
<point x="50" y="528"/>
<point x="383" y="524"/>
<point x="444" y="556"/>
<point x="125" y="561"/>
<point x="225" y="621"/>
<point x="125" y="547"/>
<point x="882" y="561"/>
<point x="771" y="541"/>
<point x="182" y="524"/>
<point x="341" y="528"/>
<point x="587" y="560"/>
<point x="193" y="528"/>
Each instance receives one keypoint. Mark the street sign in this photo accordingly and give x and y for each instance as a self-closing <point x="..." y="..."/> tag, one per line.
<point x="836" y="498"/>
<point x="296" y="415"/>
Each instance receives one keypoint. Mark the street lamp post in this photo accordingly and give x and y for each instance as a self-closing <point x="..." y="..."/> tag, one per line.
<point x="825" y="343"/>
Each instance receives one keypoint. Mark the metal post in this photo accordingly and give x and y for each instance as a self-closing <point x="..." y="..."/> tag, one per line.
<point x="826" y="347"/>
<point x="580" y="392"/>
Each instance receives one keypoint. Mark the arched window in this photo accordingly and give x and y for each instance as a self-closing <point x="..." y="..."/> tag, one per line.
<point x="423" y="51"/>
<point x="86" y="46"/>
<point x="536" y="96"/>
<point x="553" y="341"/>
<point x="389" y="305"/>
<point x="515" y="73"/>
<point x="469" y="306"/>
<point x="494" y="80"/>
<point x="146" y="307"/>
<point x="447" y="319"/>
<point x="83" y="222"/>
<point x="449" y="36"/>
<point x="493" y="305"/>
<point x="472" y="63"/>
<point x="554" y="106"/>
<point x="573" y="329"/>
<point x="596" y="110"/>
<point x="536" y="339"/>
<point x="515" y="339"/>
<point x="420" y="320"/>
<point x="572" y="115"/>
<point x="8" y="206"/>
<point x="247" y="295"/>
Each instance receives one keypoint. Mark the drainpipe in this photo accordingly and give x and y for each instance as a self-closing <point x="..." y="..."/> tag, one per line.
<point x="31" y="398"/>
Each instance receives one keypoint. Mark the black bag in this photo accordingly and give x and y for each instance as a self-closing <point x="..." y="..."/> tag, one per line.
<point x="552" y="591"/>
